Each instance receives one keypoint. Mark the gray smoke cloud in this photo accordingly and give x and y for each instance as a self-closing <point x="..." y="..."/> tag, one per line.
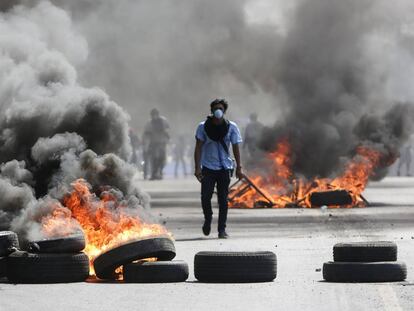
<point x="49" y="149"/>
<point x="335" y="88"/>
<point x="324" y="69"/>
<point x="177" y="56"/>
<point x="52" y="129"/>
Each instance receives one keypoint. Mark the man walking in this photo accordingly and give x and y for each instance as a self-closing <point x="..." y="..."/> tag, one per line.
<point x="213" y="163"/>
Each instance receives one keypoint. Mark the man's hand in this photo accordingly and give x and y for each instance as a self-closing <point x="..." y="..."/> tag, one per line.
<point x="239" y="172"/>
<point x="198" y="174"/>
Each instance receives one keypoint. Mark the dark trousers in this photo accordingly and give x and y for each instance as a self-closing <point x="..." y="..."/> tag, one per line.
<point x="211" y="178"/>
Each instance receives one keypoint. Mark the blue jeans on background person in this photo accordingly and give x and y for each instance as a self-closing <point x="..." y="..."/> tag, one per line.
<point x="210" y="179"/>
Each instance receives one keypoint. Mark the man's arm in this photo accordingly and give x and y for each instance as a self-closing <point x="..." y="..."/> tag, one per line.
<point x="236" y="152"/>
<point x="197" y="159"/>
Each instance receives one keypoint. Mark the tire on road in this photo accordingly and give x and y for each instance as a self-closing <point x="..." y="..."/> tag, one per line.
<point x="69" y="244"/>
<point x="161" y="247"/>
<point x="8" y="242"/>
<point x="24" y="267"/>
<point x="235" y="267"/>
<point x="156" y="272"/>
<point x="364" y="271"/>
<point x="3" y="266"/>
<point x="365" y="251"/>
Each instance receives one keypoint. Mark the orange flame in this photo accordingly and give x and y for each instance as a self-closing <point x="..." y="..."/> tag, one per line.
<point x="106" y="222"/>
<point x="284" y="189"/>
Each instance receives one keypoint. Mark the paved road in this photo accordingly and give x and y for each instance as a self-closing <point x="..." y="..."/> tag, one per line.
<point x="302" y="240"/>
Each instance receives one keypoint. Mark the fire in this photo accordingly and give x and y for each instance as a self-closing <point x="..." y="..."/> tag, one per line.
<point x="105" y="221"/>
<point x="59" y="222"/>
<point x="283" y="188"/>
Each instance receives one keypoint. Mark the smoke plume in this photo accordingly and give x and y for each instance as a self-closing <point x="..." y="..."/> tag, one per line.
<point x="52" y="130"/>
<point x="335" y="88"/>
<point x="321" y="70"/>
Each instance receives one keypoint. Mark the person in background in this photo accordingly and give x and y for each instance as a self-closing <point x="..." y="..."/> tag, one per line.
<point x="155" y="140"/>
<point x="252" y="135"/>
<point x="213" y="163"/>
<point x="405" y="159"/>
<point x="180" y="151"/>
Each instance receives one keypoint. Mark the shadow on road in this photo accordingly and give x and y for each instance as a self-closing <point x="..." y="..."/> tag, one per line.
<point x="195" y="239"/>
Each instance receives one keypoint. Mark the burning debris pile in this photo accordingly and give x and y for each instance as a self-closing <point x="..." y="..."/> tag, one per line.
<point x="106" y="220"/>
<point x="278" y="181"/>
<point x="280" y="188"/>
<point x="341" y="122"/>
<point x="63" y="148"/>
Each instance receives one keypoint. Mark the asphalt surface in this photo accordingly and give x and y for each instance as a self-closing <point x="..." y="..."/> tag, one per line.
<point x="301" y="238"/>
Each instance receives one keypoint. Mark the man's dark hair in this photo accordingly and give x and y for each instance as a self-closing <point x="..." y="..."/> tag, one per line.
<point x="217" y="102"/>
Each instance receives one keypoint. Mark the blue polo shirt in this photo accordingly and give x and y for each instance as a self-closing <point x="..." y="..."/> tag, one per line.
<point x="213" y="155"/>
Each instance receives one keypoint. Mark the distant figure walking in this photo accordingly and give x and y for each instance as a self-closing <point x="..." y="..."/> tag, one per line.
<point x="155" y="142"/>
<point x="252" y="134"/>
<point x="213" y="163"/>
<point x="405" y="160"/>
<point x="180" y="151"/>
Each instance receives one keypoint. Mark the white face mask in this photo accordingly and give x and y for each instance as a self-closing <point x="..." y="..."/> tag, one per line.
<point x="218" y="113"/>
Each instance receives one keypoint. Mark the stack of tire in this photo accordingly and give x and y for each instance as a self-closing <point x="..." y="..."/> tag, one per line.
<point x="235" y="267"/>
<point x="133" y="257"/>
<point x="9" y="243"/>
<point x="365" y="262"/>
<point x="58" y="260"/>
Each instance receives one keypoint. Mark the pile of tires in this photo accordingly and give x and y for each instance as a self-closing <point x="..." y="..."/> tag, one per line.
<point x="235" y="267"/>
<point x="365" y="262"/>
<point x="133" y="258"/>
<point x="58" y="260"/>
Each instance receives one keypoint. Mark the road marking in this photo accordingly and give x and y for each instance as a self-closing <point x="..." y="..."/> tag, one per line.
<point x="389" y="298"/>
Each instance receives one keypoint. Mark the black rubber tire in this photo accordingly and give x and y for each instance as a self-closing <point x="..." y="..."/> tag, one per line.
<point x="365" y="251"/>
<point x="3" y="266"/>
<point x="8" y="242"/>
<point x="24" y="267"/>
<point x="235" y="267"/>
<point x="364" y="271"/>
<point x="156" y="272"/>
<point x="330" y="198"/>
<point x="70" y="244"/>
<point x="161" y="247"/>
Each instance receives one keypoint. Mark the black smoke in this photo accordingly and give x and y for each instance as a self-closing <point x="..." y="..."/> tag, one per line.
<point x="53" y="130"/>
<point x="334" y="94"/>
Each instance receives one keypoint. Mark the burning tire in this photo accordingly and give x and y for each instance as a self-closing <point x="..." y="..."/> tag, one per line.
<point x="156" y="272"/>
<point x="70" y="244"/>
<point x="365" y="251"/>
<point x="235" y="267"/>
<point x="161" y="248"/>
<point x="364" y="271"/>
<point x="8" y="242"/>
<point x="24" y="267"/>
<point x="3" y="266"/>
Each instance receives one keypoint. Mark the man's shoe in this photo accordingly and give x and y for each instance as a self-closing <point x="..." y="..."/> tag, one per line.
<point x="223" y="235"/>
<point x="207" y="227"/>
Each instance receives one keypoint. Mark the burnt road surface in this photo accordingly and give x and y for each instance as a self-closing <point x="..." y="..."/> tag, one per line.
<point x="301" y="238"/>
